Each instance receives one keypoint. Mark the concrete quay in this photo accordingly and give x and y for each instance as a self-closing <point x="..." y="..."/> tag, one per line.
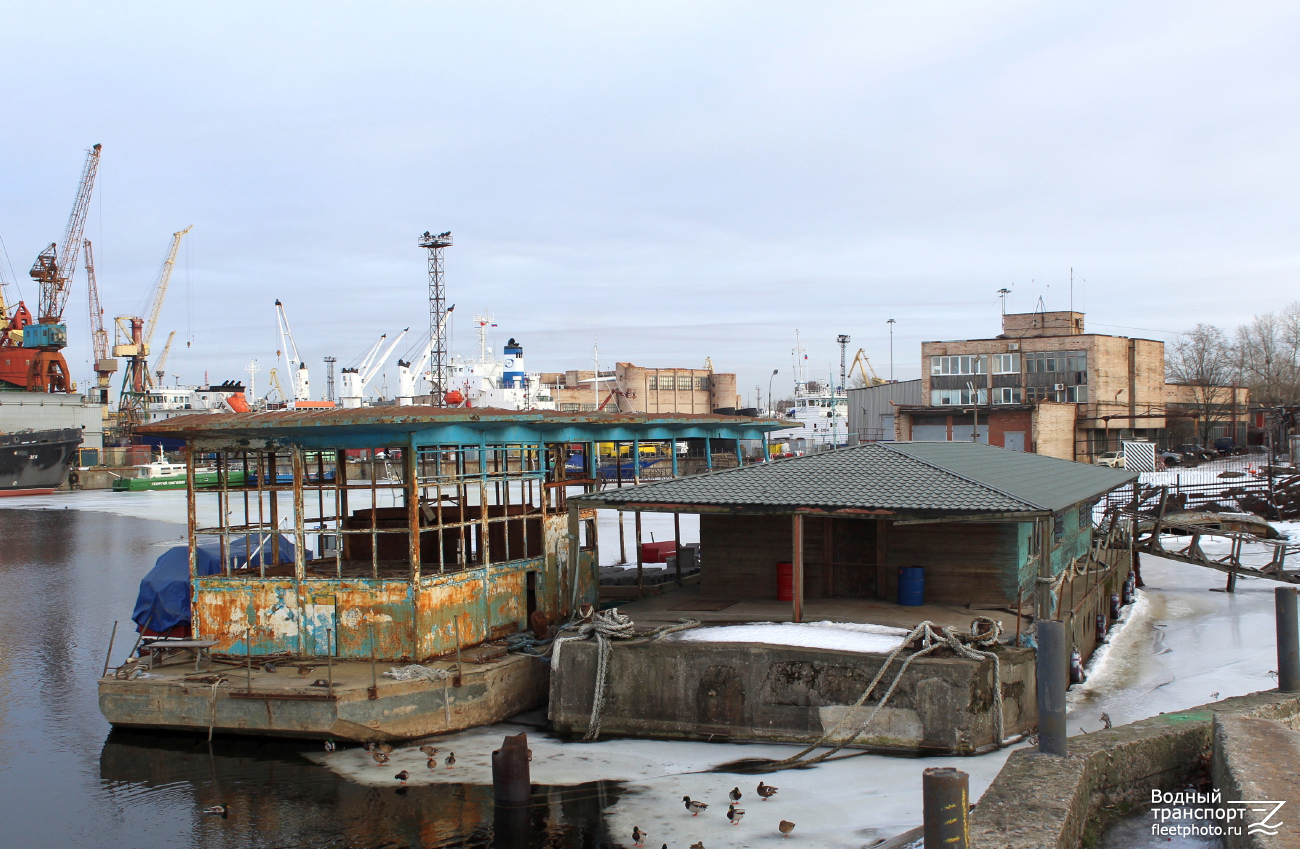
<point x="728" y="691"/>
<point x="1254" y="759"/>
<point x="285" y="704"/>
<point x="1045" y="802"/>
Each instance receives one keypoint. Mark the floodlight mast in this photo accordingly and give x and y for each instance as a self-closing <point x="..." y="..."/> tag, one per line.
<point x="438" y="374"/>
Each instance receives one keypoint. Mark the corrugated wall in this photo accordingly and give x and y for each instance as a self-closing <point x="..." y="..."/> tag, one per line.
<point x="869" y="406"/>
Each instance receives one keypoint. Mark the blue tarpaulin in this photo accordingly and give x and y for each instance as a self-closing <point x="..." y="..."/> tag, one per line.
<point x="164" y="599"/>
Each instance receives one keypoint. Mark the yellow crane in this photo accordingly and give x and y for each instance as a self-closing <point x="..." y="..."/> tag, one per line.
<point x="162" y="359"/>
<point x="135" y="333"/>
<point x="276" y="387"/>
<point x="863" y="365"/>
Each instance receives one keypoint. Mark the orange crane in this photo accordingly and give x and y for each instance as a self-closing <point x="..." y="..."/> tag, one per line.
<point x="37" y="365"/>
<point x="104" y="367"/>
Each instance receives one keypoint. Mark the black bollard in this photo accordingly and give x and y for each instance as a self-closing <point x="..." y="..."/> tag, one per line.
<point x="1053" y="673"/>
<point x="945" y="794"/>
<point x="1288" y="640"/>
<point x="511" y="784"/>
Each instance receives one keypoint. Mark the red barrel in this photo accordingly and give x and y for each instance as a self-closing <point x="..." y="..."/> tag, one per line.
<point x="785" y="581"/>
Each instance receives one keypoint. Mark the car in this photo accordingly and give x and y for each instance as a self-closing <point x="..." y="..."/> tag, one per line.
<point x="1194" y="450"/>
<point x="1113" y="459"/>
<point x="1177" y="458"/>
<point x="1226" y="445"/>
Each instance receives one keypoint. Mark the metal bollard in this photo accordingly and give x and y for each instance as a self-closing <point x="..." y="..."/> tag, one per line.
<point x="511" y="784"/>
<point x="1053" y="673"/>
<point x="945" y="794"/>
<point x="1288" y="640"/>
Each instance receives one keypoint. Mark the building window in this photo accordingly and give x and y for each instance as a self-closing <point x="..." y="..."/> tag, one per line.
<point x="1006" y="364"/>
<point x="684" y="383"/>
<point x="956" y="397"/>
<point x="652" y="382"/>
<point x="1058" y="529"/>
<point x="1076" y="394"/>
<point x="1035" y="393"/>
<point x="976" y="364"/>
<point x="1076" y="361"/>
<point x="570" y="408"/>
<point x="702" y="384"/>
<point x="1085" y="515"/>
<point x="1007" y="395"/>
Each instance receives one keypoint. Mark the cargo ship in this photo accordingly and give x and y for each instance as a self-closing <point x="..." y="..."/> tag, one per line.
<point x="35" y="462"/>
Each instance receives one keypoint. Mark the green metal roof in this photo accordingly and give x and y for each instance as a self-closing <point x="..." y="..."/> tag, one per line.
<point x="915" y="478"/>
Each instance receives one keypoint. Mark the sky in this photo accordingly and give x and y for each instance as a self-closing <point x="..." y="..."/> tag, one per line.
<point x="666" y="181"/>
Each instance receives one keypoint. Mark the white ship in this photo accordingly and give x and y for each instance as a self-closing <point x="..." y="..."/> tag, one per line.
<point x="163" y="403"/>
<point x="489" y="381"/>
<point x="820" y="407"/>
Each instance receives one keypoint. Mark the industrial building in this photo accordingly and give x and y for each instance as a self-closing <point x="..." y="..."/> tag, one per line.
<point x="635" y="389"/>
<point x="1046" y="386"/>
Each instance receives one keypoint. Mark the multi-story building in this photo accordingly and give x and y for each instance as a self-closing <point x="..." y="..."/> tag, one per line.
<point x="1042" y="385"/>
<point x="633" y="389"/>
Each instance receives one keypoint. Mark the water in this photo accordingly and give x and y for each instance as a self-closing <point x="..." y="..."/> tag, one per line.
<point x="67" y="780"/>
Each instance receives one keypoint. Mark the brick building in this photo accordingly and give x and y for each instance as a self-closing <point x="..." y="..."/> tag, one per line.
<point x="644" y="390"/>
<point x="1043" y="385"/>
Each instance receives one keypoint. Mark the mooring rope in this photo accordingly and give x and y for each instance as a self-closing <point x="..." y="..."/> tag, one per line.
<point x="607" y="626"/>
<point x="932" y="638"/>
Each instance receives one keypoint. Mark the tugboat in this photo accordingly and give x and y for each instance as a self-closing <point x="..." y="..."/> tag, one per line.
<point x="161" y="474"/>
<point x="35" y="462"/>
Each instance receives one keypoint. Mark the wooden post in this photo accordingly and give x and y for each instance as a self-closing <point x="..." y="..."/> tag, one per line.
<point x="798" y="567"/>
<point x="677" y="538"/>
<point x="1044" y="568"/>
<point x="882" y="560"/>
<point x="1135" y="557"/>
<point x="640" y="561"/>
<point x="622" y="539"/>
<point x="828" y="557"/>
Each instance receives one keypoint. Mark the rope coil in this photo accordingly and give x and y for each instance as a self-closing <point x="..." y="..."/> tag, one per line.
<point x="607" y="626"/>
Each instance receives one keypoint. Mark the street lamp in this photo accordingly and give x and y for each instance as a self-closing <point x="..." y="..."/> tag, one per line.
<point x="771" y="404"/>
<point x="891" y="350"/>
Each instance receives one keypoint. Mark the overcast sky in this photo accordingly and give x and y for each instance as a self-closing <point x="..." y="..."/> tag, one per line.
<point x="673" y="181"/>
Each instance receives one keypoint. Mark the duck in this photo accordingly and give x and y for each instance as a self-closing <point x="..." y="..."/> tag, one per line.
<point x="734" y="814"/>
<point x="451" y="760"/>
<point x="380" y="757"/>
<point x="638" y="836"/>
<point x="329" y="744"/>
<point x="693" y="807"/>
<point x="765" y="791"/>
<point x="402" y="776"/>
<point x="304" y="671"/>
<point x="699" y="844"/>
<point x="785" y="827"/>
<point x="222" y="811"/>
<point x="269" y="667"/>
<point x="432" y="763"/>
<point x="429" y="750"/>
<point x="734" y="795"/>
<point x="386" y="748"/>
<point x="368" y="746"/>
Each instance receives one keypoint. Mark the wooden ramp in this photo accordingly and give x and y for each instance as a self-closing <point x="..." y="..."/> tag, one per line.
<point x="1247" y="554"/>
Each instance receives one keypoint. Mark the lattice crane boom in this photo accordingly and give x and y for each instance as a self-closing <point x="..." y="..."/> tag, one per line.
<point x="160" y="288"/>
<point x="158" y="368"/>
<point x="56" y="264"/>
<point x="98" y="335"/>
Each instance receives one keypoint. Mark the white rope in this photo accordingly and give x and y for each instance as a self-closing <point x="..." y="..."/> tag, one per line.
<point x="607" y="626"/>
<point x="932" y="638"/>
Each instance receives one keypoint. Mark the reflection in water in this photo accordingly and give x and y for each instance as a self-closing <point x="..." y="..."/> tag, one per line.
<point x="65" y="780"/>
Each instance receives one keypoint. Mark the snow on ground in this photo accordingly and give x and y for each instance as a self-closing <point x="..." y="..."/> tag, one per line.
<point x="848" y="803"/>
<point x="844" y="636"/>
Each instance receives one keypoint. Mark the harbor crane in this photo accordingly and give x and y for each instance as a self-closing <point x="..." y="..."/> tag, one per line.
<point x="294" y="365"/>
<point x="862" y="365"/>
<point x="104" y="365"/>
<point x="355" y="379"/>
<point x="162" y="359"/>
<point x="133" y="336"/>
<point x="274" y="377"/>
<point x="407" y="376"/>
<point x="36" y="363"/>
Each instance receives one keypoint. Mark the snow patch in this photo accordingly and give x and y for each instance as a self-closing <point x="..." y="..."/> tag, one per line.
<point x="841" y="636"/>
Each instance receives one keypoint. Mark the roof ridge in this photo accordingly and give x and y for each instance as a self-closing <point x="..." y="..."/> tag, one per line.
<point x="892" y="447"/>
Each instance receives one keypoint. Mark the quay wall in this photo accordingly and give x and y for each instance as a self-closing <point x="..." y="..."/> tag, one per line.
<point x="1043" y="802"/>
<point x="690" y="690"/>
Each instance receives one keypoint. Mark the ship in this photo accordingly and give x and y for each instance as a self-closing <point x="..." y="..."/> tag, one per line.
<point x="820" y="408"/>
<point x="36" y="462"/>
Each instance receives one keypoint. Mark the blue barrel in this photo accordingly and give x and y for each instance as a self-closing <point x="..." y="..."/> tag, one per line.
<point x="911" y="586"/>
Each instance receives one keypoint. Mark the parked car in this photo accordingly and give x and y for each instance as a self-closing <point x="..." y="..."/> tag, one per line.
<point x="1194" y="450"/>
<point x="1113" y="459"/>
<point x="1226" y="445"/>
<point x="1177" y="458"/>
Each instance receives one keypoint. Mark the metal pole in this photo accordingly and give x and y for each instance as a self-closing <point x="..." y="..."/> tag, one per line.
<point x="640" y="554"/>
<point x="622" y="539"/>
<point x="329" y="660"/>
<point x="1053" y="673"/>
<point x="945" y="794"/>
<point x="677" y="541"/>
<point x="113" y="636"/>
<point x="1288" y="640"/>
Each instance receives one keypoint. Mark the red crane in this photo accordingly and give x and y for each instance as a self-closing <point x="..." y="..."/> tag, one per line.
<point x="37" y="364"/>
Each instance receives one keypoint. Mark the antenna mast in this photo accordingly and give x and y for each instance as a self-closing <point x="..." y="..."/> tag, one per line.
<point x="437" y="315"/>
<point x="843" y="339"/>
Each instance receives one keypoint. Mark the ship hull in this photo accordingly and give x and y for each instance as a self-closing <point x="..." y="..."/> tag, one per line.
<point x="36" y="462"/>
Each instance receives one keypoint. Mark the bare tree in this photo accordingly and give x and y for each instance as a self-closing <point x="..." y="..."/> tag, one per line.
<point x="1202" y="361"/>
<point x="1265" y="355"/>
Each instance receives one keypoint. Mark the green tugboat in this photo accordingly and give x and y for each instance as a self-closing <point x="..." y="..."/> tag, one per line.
<point x="164" y="475"/>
